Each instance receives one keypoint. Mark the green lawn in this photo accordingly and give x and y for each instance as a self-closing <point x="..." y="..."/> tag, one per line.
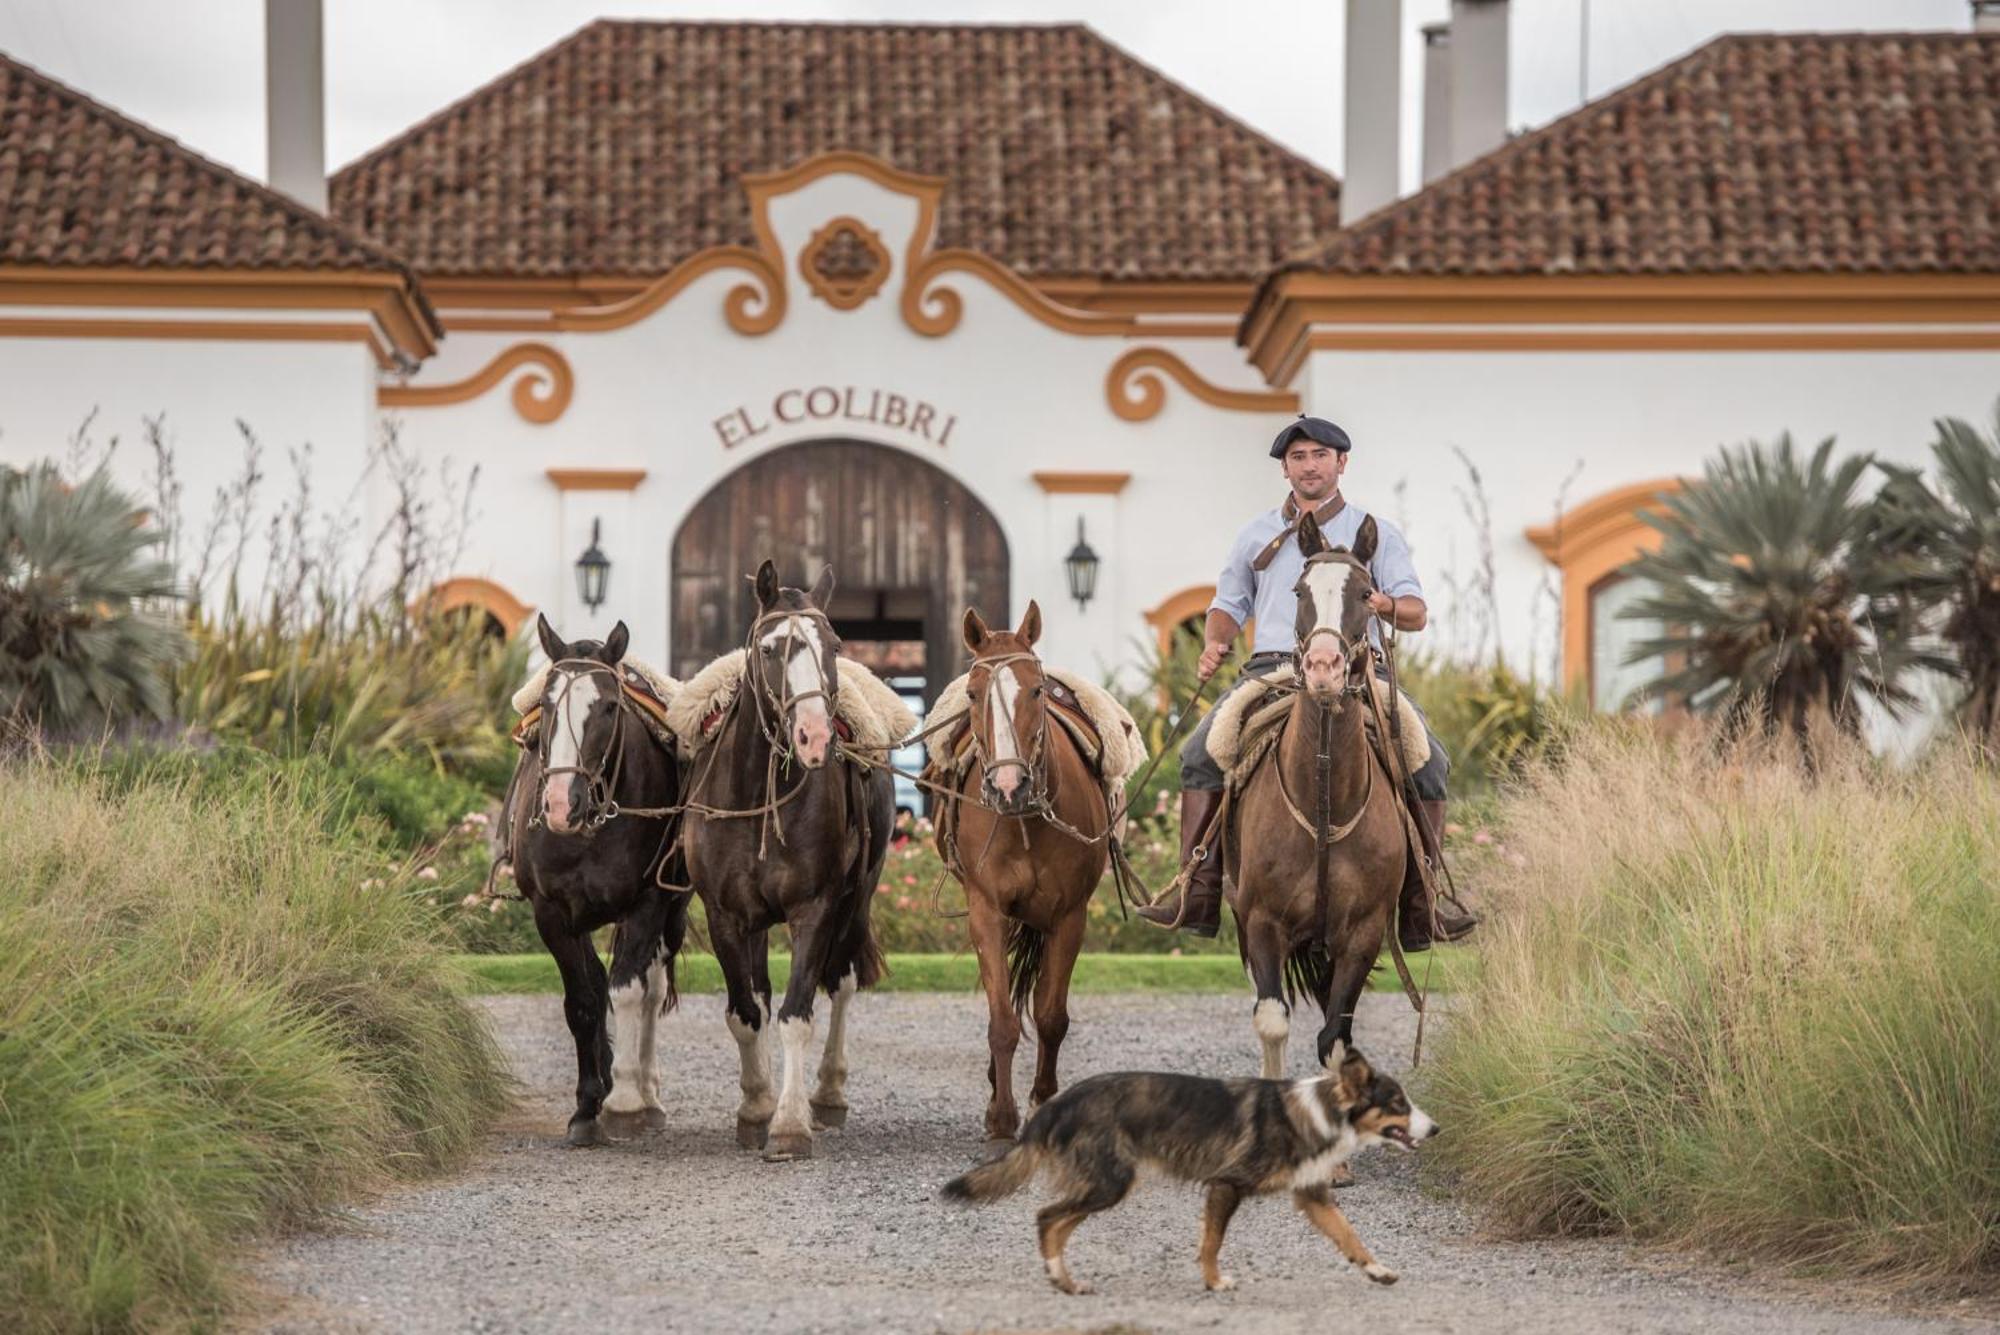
<point x="1451" y="969"/>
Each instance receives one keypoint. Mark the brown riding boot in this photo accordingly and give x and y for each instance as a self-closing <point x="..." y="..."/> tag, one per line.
<point x="1420" y="921"/>
<point x="1204" y="885"/>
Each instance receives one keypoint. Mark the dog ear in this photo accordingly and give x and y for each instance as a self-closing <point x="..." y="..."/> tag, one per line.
<point x="975" y="630"/>
<point x="1031" y="624"/>
<point x="614" y="645"/>
<point x="1355" y="1074"/>
<point x="1311" y="541"/>
<point x="552" y="644"/>
<point x="1364" y="541"/>
<point x="767" y="586"/>
<point x="822" y="589"/>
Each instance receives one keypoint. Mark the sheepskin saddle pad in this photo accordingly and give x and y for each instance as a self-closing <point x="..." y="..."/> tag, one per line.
<point x="1246" y="723"/>
<point x="871" y="712"/>
<point x="652" y="690"/>
<point x="1106" y="732"/>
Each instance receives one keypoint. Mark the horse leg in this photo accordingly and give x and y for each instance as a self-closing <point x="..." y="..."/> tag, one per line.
<point x="583" y="1007"/>
<point x="791" y="1130"/>
<point x="1003" y="1026"/>
<point x="637" y="992"/>
<point x="1348" y="981"/>
<point x="1052" y="1003"/>
<point x="748" y="1017"/>
<point x="829" y="1099"/>
<point x="1264" y="955"/>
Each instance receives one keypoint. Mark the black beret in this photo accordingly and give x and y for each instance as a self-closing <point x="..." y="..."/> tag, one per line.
<point x="1316" y="429"/>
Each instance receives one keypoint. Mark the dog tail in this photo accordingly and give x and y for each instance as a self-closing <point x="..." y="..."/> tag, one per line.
<point x="997" y="1177"/>
<point x="1025" y="950"/>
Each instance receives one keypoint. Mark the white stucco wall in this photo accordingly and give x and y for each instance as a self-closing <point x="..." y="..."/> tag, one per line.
<point x="1020" y="395"/>
<point x="289" y="393"/>
<point x="1527" y="419"/>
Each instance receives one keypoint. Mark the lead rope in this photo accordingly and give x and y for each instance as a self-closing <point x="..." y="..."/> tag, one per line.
<point x="1392" y="729"/>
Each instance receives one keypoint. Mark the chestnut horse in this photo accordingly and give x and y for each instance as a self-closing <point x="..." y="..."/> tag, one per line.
<point x="1027" y="881"/>
<point x="808" y="857"/>
<point x="1318" y="849"/>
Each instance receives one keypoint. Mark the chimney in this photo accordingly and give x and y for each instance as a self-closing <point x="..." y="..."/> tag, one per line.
<point x="1374" y="93"/>
<point x="1986" y="15"/>
<point x="1437" y="100"/>
<point x="295" y="100"/>
<point x="1478" y="78"/>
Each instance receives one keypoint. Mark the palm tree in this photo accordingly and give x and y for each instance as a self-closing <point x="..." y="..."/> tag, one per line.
<point x="79" y="647"/>
<point x="1776" y="605"/>
<point x="1950" y="540"/>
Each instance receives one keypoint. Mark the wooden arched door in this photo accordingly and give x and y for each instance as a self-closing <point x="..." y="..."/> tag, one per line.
<point x="910" y="547"/>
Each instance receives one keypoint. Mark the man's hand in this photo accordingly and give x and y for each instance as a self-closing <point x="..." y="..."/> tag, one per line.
<point x="1382" y="605"/>
<point x="1212" y="655"/>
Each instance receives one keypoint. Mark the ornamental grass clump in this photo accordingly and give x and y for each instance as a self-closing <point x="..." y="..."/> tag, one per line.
<point x="1730" y="1004"/>
<point x="212" y="1023"/>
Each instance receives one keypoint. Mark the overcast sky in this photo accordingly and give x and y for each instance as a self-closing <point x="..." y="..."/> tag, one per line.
<point x="194" y="68"/>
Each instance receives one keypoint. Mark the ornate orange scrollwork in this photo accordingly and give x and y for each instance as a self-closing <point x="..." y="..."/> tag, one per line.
<point x="1136" y="392"/>
<point x="541" y="395"/>
<point x="845" y="263"/>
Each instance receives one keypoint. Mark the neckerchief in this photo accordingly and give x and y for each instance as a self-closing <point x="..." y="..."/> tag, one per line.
<point x="1290" y="514"/>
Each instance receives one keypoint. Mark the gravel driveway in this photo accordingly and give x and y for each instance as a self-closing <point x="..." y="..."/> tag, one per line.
<point x="684" y="1231"/>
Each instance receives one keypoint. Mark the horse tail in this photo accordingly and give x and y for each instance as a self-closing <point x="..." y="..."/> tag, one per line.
<point x="1026" y="949"/>
<point x="869" y="964"/>
<point x="995" y="1178"/>
<point x="1308" y="971"/>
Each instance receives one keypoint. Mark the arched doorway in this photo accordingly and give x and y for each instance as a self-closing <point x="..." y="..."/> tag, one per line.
<point x="910" y="547"/>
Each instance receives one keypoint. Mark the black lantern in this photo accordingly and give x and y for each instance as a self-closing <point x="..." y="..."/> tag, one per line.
<point x="1081" y="563"/>
<point x="593" y="572"/>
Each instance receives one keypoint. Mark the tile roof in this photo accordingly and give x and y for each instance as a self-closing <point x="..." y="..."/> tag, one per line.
<point x="82" y="185"/>
<point x="1764" y="153"/>
<point x="619" y="151"/>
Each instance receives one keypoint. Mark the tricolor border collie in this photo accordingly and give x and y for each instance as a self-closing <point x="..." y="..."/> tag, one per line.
<point x="1236" y="1137"/>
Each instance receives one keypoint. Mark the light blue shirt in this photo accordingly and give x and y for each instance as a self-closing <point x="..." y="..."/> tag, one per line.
<point x="1268" y="595"/>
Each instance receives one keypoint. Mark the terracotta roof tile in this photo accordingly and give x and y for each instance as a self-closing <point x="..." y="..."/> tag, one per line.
<point x="620" y="151"/>
<point x="1754" y="154"/>
<point x="82" y="185"/>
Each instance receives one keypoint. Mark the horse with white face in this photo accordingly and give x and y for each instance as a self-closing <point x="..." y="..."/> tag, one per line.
<point x="802" y="844"/>
<point x="582" y="862"/>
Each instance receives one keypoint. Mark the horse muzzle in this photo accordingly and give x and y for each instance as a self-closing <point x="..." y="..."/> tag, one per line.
<point x="1323" y="664"/>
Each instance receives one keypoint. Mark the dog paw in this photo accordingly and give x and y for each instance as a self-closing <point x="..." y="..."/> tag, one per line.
<point x="1222" y="1284"/>
<point x="1378" y="1272"/>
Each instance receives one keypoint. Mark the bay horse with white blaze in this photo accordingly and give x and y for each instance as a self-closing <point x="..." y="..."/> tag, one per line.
<point x="782" y="828"/>
<point x="583" y="859"/>
<point x="1028" y="880"/>
<point x="1318" y="850"/>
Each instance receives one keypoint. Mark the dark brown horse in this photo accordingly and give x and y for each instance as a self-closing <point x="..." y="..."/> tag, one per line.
<point x="1318" y="850"/>
<point x="582" y="862"/>
<point x="808" y="856"/>
<point x="1027" y="881"/>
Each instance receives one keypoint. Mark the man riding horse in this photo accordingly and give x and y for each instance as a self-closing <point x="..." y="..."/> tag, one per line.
<point x="1259" y="581"/>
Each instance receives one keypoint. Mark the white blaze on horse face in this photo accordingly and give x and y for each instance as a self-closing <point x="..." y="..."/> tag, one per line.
<point x="1321" y="659"/>
<point x="811" y="725"/>
<point x="1003" y="695"/>
<point x="575" y="693"/>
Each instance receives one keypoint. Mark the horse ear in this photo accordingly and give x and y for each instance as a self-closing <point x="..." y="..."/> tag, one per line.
<point x="552" y="644"/>
<point x="1365" y="540"/>
<point x="767" y="585"/>
<point x="975" y="630"/>
<point x="614" y="645"/>
<point x="1031" y="623"/>
<point x="1311" y="541"/>
<point x="822" y="589"/>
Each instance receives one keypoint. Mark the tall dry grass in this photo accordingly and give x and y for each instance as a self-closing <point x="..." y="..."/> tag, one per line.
<point x="208" y="1027"/>
<point x="1728" y="1005"/>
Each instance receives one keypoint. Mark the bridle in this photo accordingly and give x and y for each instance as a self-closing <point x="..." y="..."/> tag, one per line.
<point x="774" y="709"/>
<point x="1357" y="652"/>
<point x="1034" y="768"/>
<point x="601" y="779"/>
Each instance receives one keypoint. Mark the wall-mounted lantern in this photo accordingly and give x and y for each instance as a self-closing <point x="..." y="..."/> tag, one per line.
<point x="1081" y="563"/>
<point x="593" y="572"/>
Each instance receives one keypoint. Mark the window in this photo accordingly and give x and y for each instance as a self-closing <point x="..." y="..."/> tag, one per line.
<point x="1612" y="680"/>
